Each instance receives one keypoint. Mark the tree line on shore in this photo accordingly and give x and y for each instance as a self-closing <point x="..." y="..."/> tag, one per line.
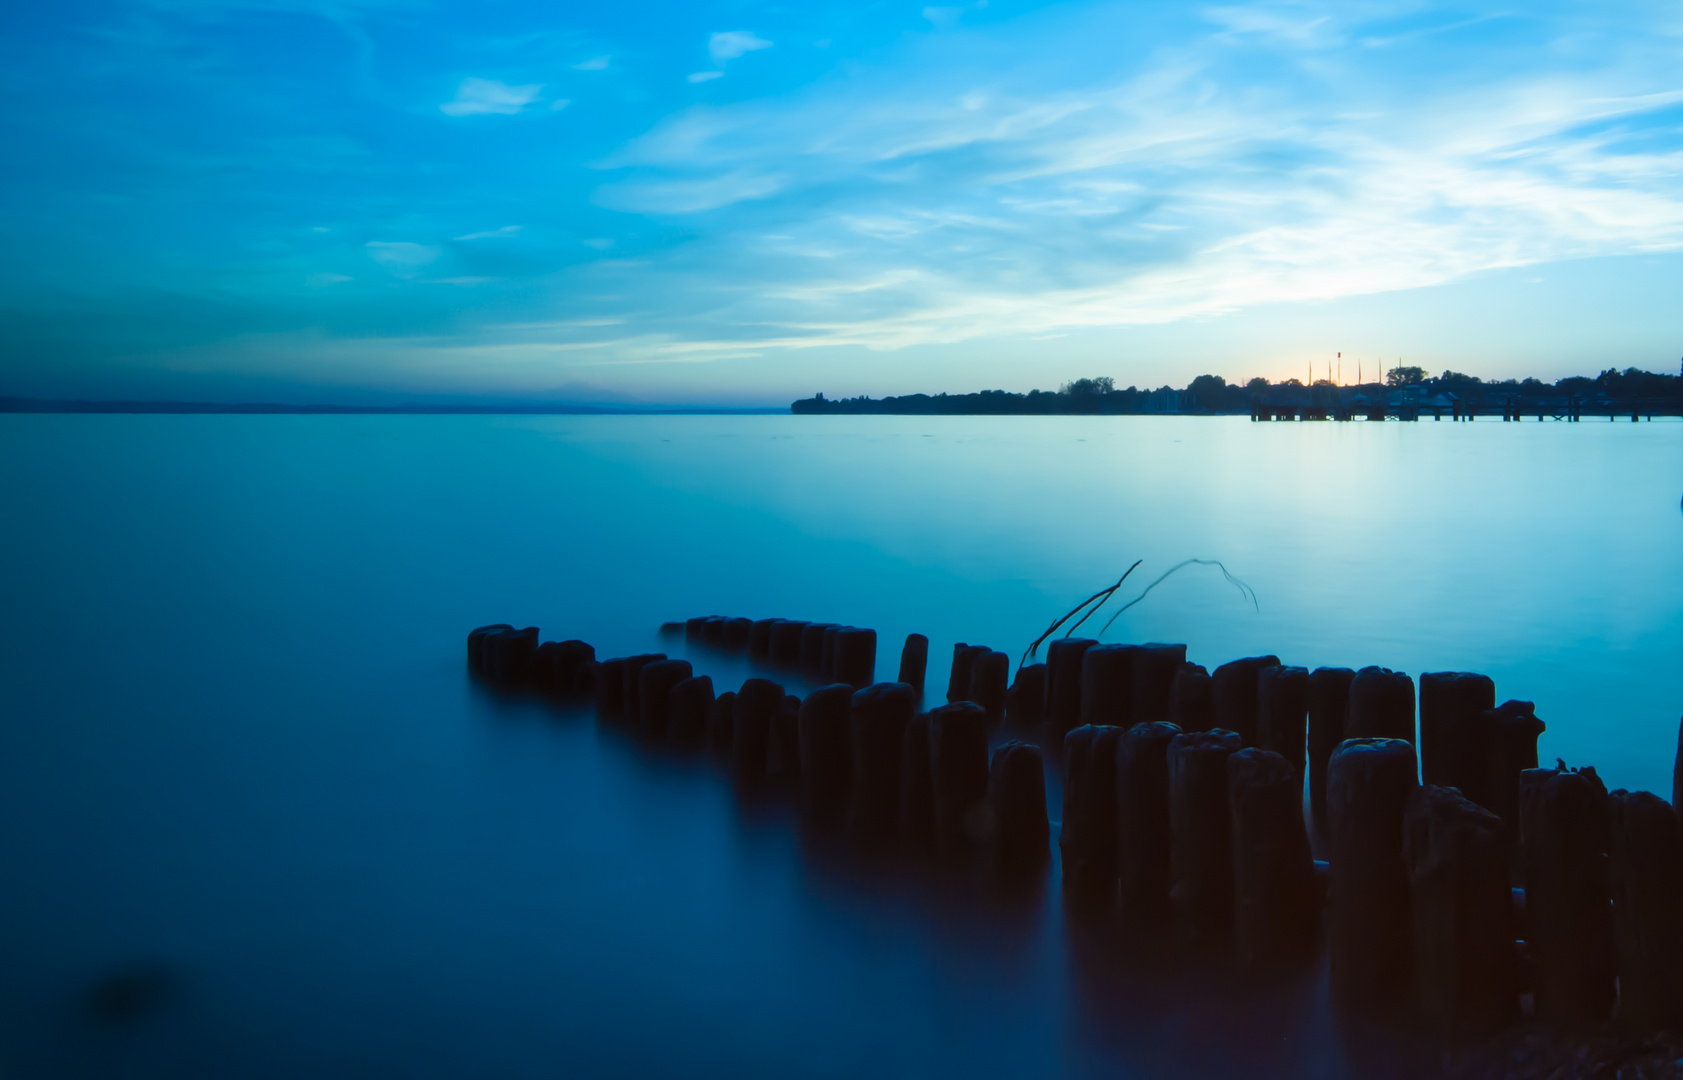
<point x="1214" y="394"/>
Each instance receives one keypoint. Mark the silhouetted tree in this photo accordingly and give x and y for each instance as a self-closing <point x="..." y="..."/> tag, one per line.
<point x="1405" y="376"/>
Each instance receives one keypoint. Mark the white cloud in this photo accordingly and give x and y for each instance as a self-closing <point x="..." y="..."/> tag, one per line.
<point x="595" y="63"/>
<point x="727" y="45"/>
<point x="559" y="103"/>
<point x="477" y="97"/>
<point x="705" y="76"/>
<point x="401" y="256"/>
<point x="494" y="234"/>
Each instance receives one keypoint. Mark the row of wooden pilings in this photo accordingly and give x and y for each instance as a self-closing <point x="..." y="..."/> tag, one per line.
<point x="1183" y="796"/>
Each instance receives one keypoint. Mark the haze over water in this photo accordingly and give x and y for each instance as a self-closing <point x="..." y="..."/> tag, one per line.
<point x="241" y="749"/>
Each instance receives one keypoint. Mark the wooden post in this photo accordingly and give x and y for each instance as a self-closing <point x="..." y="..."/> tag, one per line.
<point x="1369" y="782"/>
<point x="914" y="662"/>
<point x="1646" y="849"/>
<point x="1142" y="822"/>
<point x="655" y="682"/>
<point x="1017" y="798"/>
<point x="1234" y="685"/>
<point x="1063" y="682"/>
<point x="1451" y="749"/>
<point x="856" y="657"/>
<point x="756" y="707"/>
<point x="1025" y="704"/>
<point x="688" y="705"/>
<point x="1381" y="705"/>
<point x="989" y="673"/>
<point x="1088" y="836"/>
<point x="1329" y="699"/>
<point x="1155" y="667"/>
<point x="826" y="752"/>
<point x="1199" y="856"/>
<point x="1274" y="910"/>
<point x="1192" y="700"/>
<point x="877" y="723"/>
<point x="1282" y="715"/>
<point x="1568" y="899"/>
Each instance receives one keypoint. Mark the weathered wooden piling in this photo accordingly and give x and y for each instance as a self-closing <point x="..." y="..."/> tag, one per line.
<point x="1465" y="976"/>
<point x="827" y="661"/>
<point x="877" y="720"/>
<point x="917" y="793"/>
<point x="1192" y="699"/>
<point x="737" y="633"/>
<point x="1017" y="798"/>
<point x="1275" y="915"/>
<point x="756" y="707"/>
<point x="610" y="688"/>
<point x="1199" y="855"/>
<point x="1568" y="899"/>
<point x="1645" y="845"/>
<point x="826" y="752"/>
<point x="1025" y="701"/>
<point x="1142" y="823"/>
<point x="1155" y="667"/>
<point x="1063" y="682"/>
<point x="914" y="662"/>
<point x="476" y="645"/>
<point x="759" y="640"/>
<point x="786" y="643"/>
<point x="688" y="706"/>
<point x="695" y="630"/>
<point x="586" y="679"/>
<point x="508" y="656"/>
<point x="1088" y="837"/>
<point x="1329" y="700"/>
<point x="1369" y="921"/>
<point x="570" y="655"/>
<point x="989" y="674"/>
<point x="654" y="685"/>
<point x="713" y="631"/>
<point x="783" y="745"/>
<point x="1282" y="715"/>
<point x="856" y="657"/>
<point x="1381" y="705"/>
<point x="958" y="771"/>
<point x="631" y="693"/>
<point x="812" y="648"/>
<point x="1451" y="746"/>
<point x="721" y="725"/>
<point x="671" y="630"/>
<point x="1510" y="747"/>
<point x="1107" y="685"/>
<point x="958" y="676"/>
<point x="1234" y="685"/>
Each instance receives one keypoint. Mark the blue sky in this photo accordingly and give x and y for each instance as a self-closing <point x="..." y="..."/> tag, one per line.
<point x="739" y="203"/>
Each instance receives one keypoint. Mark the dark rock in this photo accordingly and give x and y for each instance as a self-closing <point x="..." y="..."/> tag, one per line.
<point x="689" y="707"/>
<point x="1329" y="700"/>
<point x="1155" y="667"/>
<point x="856" y="657"/>
<point x="1274" y="910"/>
<point x="914" y="662"/>
<point x="989" y="674"/>
<point x="1234" y="685"/>
<point x="1450" y="747"/>
<point x="476" y="645"/>
<point x="632" y="675"/>
<point x="1368" y="917"/>
<point x="610" y="688"/>
<point x="1381" y="705"/>
<point x="1199" y="855"/>
<point x="1464" y="959"/>
<point x="826" y="746"/>
<point x="786" y="643"/>
<point x="1017" y="796"/>
<point x="721" y="725"/>
<point x="958" y="677"/>
<point x="877" y="722"/>
<point x="654" y="684"/>
<point x="917" y="792"/>
<point x="1063" y="682"/>
<point x="1088" y="837"/>
<point x="1282" y="715"/>
<point x="1646" y="864"/>
<point x="1192" y="699"/>
<point x="1107" y="685"/>
<point x="958" y="773"/>
<point x="757" y="706"/>
<point x="1142" y="822"/>
<point x="1568" y="900"/>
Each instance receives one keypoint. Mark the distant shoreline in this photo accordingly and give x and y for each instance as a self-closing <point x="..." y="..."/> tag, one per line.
<point x="180" y="408"/>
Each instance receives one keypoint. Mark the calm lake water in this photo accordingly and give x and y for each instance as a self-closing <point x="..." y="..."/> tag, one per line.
<point x="242" y="768"/>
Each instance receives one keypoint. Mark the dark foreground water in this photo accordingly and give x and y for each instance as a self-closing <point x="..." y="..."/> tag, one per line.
<point x="247" y="792"/>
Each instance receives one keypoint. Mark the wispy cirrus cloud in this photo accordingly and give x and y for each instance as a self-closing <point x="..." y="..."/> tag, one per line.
<point x="479" y="97"/>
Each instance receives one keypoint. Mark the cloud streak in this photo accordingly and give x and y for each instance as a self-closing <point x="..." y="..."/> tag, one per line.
<point x="480" y="97"/>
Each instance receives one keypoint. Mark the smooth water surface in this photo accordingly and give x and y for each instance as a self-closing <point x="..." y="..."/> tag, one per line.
<point x="241" y="766"/>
